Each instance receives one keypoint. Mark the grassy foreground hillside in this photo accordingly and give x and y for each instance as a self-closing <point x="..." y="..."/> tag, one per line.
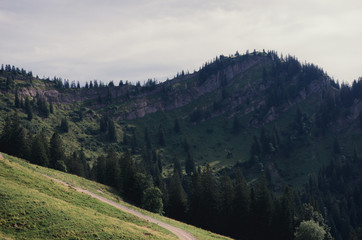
<point x="32" y="206"/>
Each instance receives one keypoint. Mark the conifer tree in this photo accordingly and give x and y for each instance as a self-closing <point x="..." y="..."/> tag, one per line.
<point x="241" y="206"/>
<point x="227" y="195"/>
<point x="17" y="100"/>
<point x="209" y="198"/>
<point x="147" y="139"/>
<point x="176" y="126"/>
<point x="128" y="174"/>
<point x="51" y="108"/>
<point x="39" y="150"/>
<point x="261" y="210"/>
<point x="287" y="215"/>
<point x="6" y="135"/>
<point x="194" y="212"/>
<point x="177" y="167"/>
<point x="190" y="165"/>
<point x="13" y="137"/>
<point x="113" y="170"/>
<point x="161" y="137"/>
<point x="28" y="109"/>
<point x="64" y="125"/>
<point x="57" y="156"/>
<point x="177" y="202"/>
<point x="236" y="125"/>
<point x="255" y="149"/>
<point x="111" y="132"/>
<point x="21" y="103"/>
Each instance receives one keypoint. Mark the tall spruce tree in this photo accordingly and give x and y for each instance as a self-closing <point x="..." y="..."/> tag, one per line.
<point x="28" y="109"/>
<point x="261" y="210"/>
<point x="177" y="201"/>
<point x="209" y="198"/>
<point x="227" y="196"/>
<point x="190" y="164"/>
<point x="161" y="137"/>
<point x="241" y="207"/>
<point x="39" y="150"/>
<point x="57" y="156"/>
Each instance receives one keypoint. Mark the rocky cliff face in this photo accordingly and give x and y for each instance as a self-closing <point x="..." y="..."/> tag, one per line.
<point x="133" y="102"/>
<point x="183" y="90"/>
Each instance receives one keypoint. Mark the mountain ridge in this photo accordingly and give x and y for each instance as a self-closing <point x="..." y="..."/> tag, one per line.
<point x="264" y="114"/>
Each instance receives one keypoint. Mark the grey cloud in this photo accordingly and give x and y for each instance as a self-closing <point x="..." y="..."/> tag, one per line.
<point x="135" y="40"/>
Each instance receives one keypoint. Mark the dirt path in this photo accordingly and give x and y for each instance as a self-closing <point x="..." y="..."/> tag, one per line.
<point x="181" y="234"/>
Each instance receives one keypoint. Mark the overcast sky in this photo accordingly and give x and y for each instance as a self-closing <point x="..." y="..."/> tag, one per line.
<point x="135" y="40"/>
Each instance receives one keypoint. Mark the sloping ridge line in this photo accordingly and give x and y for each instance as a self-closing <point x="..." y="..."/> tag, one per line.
<point x="181" y="234"/>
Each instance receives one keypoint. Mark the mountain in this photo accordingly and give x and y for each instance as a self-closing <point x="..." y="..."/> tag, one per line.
<point x="258" y="112"/>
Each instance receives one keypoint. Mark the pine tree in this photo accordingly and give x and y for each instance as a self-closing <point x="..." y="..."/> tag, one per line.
<point x="28" y="109"/>
<point x="111" y="132"/>
<point x="6" y="135"/>
<point x="336" y="146"/>
<point x="17" y="100"/>
<point x="113" y="170"/>
<point x="186" y="146"/>
<point x="51" y="108"/>
<point x="176" y="126"/>
<point x="161" y="137"/>
<point x="177" y="202"/>
<point x="13" y="137"/>
<point x="64" y="125"/>
<point x="194" y="212"/>
<point x="103" y="124"/>
<point x="134" y="142"/>
<point x="177" y="167"/>
<point x="128" y="175"/>
<point x="236" y="125"/>
<point x="100" y="169"/>
<point x="284" y="216"/>
<point x="76" y="164"/>
<point x="147" y="139"/>
<point x="262" y="210"/>
<point x="255" y="149"/>
<point x="39" y="150"/>
<point x="190" y="165"/>
<point x="241" y="206"/>
<point x="209" y="198"/>
<point x="57" y="156"/>
<point x="227" y="195"/>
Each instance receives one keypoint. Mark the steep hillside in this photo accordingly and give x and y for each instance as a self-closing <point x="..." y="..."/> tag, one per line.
<point x="33" y="206"/>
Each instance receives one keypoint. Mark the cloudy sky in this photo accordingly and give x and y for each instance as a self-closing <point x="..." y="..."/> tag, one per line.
<point x="134" y="40"/>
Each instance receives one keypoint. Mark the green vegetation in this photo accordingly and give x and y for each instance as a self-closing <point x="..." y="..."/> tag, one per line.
<point x="34" y="207"/>
<point x="173" y="146"/>
<point x="309" y="230"/>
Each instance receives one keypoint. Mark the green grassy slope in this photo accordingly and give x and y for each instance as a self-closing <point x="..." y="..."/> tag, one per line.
<point x="33" y="206"/>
